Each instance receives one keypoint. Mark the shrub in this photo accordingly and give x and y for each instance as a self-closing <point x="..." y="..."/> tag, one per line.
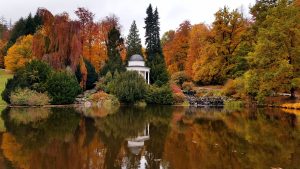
<point x="129" y="87"/>
<point x="179" y="98"/>
<point x="62" y="88"/>
<point x="27" y="97"/>
<point x="104" y="83"/>
<point x="188" y="86"/>
<point x="175" y="88"/>
<point x="104" y="99"/>
<point x="33" y="76"/>
<point x="159" y="95"/>
<point x="179" y="78"/>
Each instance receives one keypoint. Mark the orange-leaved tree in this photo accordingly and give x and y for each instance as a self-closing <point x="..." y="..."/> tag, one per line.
<point x="19" y="54"/>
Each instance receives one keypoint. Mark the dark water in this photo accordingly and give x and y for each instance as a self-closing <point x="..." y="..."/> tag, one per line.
<point x="151" y="137"/>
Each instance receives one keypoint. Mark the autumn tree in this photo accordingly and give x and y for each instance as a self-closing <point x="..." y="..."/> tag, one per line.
<point x="133" y="42"/>
<point x="59" y="41"/>
<point x="176" y="51"/>
<point x="259" y="12"/>
<point x="197" y="44"/>
<point x="19" y="54"/>
<point x="225" y="40"/>
<point x="276" y="55"/>
<point x="92" y="47"/>
<point x="155" y="58"/>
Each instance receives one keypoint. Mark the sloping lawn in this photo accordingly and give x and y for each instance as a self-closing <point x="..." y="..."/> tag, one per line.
<point x="3" y="78"/>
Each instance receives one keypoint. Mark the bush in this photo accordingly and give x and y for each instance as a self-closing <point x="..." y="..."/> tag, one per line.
<point x="33" y="76"/>
<point x="63" y="88"/>
<point x="188" y="86"/>
<point x="104" y="99"/>
<point x="179" y="78"/>
<point x="129" y="87"/>
<point x="36" y="74"/>
<point x="179" y="98"/>
<point x="27" y="97"/>
<point x="159" y="95"/>
<point x="104" y="83"/>
<point x="175" y="88"/>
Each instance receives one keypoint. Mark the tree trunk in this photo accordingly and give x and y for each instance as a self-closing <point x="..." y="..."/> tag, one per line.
<point x="293" y="96"/>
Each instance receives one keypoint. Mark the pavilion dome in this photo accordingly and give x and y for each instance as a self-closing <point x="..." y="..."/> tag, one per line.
<point x="136" y="57"/>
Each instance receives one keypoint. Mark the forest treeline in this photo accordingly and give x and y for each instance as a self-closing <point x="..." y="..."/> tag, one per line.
<point x="252" y="56"/>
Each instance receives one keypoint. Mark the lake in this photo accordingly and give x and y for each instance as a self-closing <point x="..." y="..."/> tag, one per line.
<point x="152" y="137"/>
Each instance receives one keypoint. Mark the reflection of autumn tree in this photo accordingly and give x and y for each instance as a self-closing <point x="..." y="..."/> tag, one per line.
<point x="236" y="140"/>
<point x="56" y="142"/>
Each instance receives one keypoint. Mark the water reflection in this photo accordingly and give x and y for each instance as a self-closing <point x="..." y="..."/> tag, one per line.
<point x="152" y="137"/>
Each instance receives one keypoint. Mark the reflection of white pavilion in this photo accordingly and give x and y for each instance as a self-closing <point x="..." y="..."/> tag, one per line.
<point x="137" y="63"/>
<point x="136" y="144"/>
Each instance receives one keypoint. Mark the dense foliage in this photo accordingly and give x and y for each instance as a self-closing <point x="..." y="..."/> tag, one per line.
<point x="129" y="87"/>
<point x="155" y="58"/>
<point x="92" y="75"/>
<point x="24" y="26"/>
<point x="257" y="56"/>
<point x="27" y="97"/>
<point x="159" y="95"/>
<point x="62" y="87"/>
<point x="114" y="62"/>
<point x="33" y="76"/>
<point x="19" y="54"/>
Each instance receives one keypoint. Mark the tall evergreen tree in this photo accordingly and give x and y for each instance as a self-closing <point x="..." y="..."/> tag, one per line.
<point x="133" y="42"/>
<point x="22" y="27"/>
<point x="155" y="58"/>
<point x="114" y="62"/>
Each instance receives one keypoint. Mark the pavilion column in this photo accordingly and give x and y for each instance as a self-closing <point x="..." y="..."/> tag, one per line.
<point x="148" y="77"/>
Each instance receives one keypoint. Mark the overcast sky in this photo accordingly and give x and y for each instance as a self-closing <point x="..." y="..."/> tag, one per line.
<point x="171" y="12"/>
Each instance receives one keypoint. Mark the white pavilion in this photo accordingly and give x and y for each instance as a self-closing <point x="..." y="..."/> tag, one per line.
<point x="137" y="63"/>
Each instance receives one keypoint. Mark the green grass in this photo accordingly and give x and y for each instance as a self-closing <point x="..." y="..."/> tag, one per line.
<point x="3" y="78"/>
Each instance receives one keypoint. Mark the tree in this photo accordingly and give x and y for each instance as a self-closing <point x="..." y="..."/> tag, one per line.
<point x="93" y="48"/>
<point x="2" y="46"/>
<point x="225" y="39"/>
<point x="197" y="41"/>
<point x="19" y="54"/>
<point x="155" y="58"/>
<point x="91" y="77"/>
<point x="176" y="52"/>
<point x="59" y="41"/>
<point x="22" y="27"/>
<point x="276" y="54"/>
<point x="114" y="62"/>
<point x="133" y="42"/>
<point x="259" y="12"/>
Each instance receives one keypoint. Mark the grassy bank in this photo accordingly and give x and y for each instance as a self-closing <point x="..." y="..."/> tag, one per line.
<point x="3" y="78"/>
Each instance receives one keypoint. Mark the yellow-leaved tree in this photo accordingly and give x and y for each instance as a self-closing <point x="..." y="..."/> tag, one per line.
<point x="19" y="54"/>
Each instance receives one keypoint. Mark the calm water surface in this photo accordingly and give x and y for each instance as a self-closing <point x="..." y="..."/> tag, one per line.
<point x="151" y="138"/>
